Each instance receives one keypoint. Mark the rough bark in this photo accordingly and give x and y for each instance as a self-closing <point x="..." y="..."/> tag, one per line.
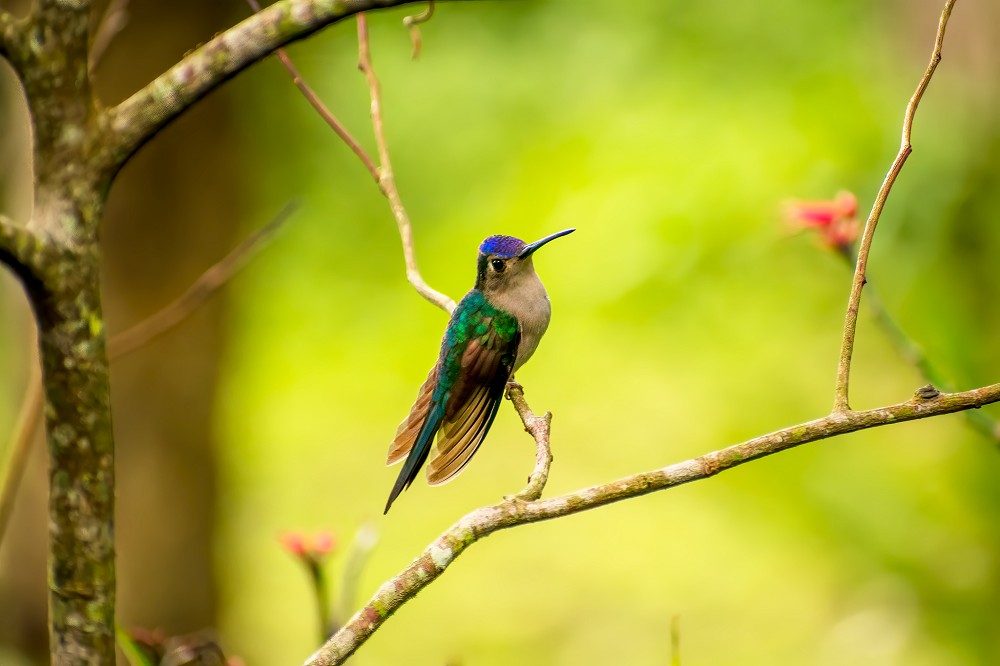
<point x="62" y="277"/>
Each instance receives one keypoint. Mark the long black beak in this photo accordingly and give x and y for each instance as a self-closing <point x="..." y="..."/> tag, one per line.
<point x="530" y="249"/>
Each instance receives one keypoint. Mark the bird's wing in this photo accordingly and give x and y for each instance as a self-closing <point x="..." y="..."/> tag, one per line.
<point x="408" y="430"/>
<point x="478" y="350"/>
<point x="487" y="363"/>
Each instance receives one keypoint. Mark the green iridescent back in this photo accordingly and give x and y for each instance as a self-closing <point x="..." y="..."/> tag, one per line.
<point x="474" y="318"/>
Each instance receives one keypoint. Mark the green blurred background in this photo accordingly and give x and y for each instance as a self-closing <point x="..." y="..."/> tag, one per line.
<point x="687" y="316"/>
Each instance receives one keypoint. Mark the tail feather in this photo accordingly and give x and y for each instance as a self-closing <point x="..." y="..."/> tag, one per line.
<point x="411" y="426"/>
<point x="417" y="456"/>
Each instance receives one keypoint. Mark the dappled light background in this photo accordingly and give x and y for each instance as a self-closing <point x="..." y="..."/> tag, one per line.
<point x="687" y="315"/>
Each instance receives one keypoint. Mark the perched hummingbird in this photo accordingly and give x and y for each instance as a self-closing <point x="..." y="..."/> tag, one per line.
<point x="491" y="334"/>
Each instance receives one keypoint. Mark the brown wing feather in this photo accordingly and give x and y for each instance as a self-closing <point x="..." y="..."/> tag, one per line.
<point x="471" y="408"/>
<point x="463" y="442"/>
<point x="408" y="430"/>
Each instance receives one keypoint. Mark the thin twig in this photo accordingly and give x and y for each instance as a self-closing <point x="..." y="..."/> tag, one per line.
<point x="382" y="173"/>
<point x="20" y="446"/>
<point x="132" y="339"/>
<point x="203" y="288"/>
<point x="539" y="427"/>
<point x="322" y="109"/>
<point x="841" y="402"/>
<point x="387" y="181"/>
<point x="413" y="23"/>
<point x="511" y="513"/>
<point x="137" y="119"/>
<point x="112" y="22"/>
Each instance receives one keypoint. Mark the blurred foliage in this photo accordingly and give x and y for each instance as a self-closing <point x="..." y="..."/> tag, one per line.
<point x="686" y="317"/>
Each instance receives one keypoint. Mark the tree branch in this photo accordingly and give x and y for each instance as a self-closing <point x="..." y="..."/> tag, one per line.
<point x="7" y="33"/>
<point x="321" y="108"/>
<point x="841" y="402"/>
<point x="914" y="354"/>
<point x="387" y="180"/>
<point x="127" y="341"/>
<point x="513" y="512"/>
<point x="539" y="428"/>
<point x="112" y="22"/>
<point x="213" y="279"/>
<point x="382" y="173"/>
<point x="25" y="253"/>
<point x="142" y="115"/>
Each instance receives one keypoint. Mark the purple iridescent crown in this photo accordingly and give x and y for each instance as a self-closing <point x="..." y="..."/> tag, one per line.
<point x="502" y="246"/>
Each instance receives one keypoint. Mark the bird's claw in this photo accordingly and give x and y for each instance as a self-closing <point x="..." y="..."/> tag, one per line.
<point x="511" y="385"/>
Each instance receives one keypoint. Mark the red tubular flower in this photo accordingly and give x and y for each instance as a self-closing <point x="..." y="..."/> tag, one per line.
<point x="835" y="220"/>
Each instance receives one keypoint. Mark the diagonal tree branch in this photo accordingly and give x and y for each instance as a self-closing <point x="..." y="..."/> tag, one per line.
<point x="513" y="512"/>
<point x="217" y="276"/>
<point x="841" y="402"/>
<point x="138" y="118"/>
<point x="27" y="254"/>
<point x="28" y="420"/>
<point x="112" y="22"/>
<point x="328" y="117"/>
<point x="209" y="282"/>
<point x="382" y="173"/>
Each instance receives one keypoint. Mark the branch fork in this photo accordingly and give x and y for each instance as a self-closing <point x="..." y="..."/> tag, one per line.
<point x="841" y="402"/>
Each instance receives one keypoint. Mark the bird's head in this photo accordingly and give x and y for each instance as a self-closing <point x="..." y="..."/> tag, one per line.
<point x="503" y="260"/>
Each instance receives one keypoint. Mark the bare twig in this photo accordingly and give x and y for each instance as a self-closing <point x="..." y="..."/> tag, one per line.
<point x="322" y="109"/>
<point x="382" y="173"/>
<point x="510" y="513"/>
<point x="203" y="288"/>
<point x="138" y="118"/>
<point x="139" y="335"/>
<point x="539" y="427"/>
<point x="841" y="402"/>
<point x="387" y="181"/>
<point x="20" y="446"/>
<point x="113" y="21"/>
<point x="413" y="23"/>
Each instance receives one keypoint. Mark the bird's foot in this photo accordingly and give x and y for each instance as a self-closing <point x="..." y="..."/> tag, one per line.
<point x="511" y="385"/>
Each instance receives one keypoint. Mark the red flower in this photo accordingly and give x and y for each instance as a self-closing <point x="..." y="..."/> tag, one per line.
<point x="304" y="547"/>
<point x="323" y="543"/>
<point x="835" y="220"/>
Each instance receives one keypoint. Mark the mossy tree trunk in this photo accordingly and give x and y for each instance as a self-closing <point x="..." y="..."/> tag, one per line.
<point x="78" y="148"/>
<point x="63" y="280"/>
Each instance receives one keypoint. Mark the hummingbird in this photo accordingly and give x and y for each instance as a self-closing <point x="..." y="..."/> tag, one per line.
<point x="493" y="331"/>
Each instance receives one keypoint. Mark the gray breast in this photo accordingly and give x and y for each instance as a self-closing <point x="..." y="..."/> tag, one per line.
<point x="525" y="298"/>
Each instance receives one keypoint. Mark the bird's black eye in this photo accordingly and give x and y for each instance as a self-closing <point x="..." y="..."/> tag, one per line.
<point x="498" y="265"/>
